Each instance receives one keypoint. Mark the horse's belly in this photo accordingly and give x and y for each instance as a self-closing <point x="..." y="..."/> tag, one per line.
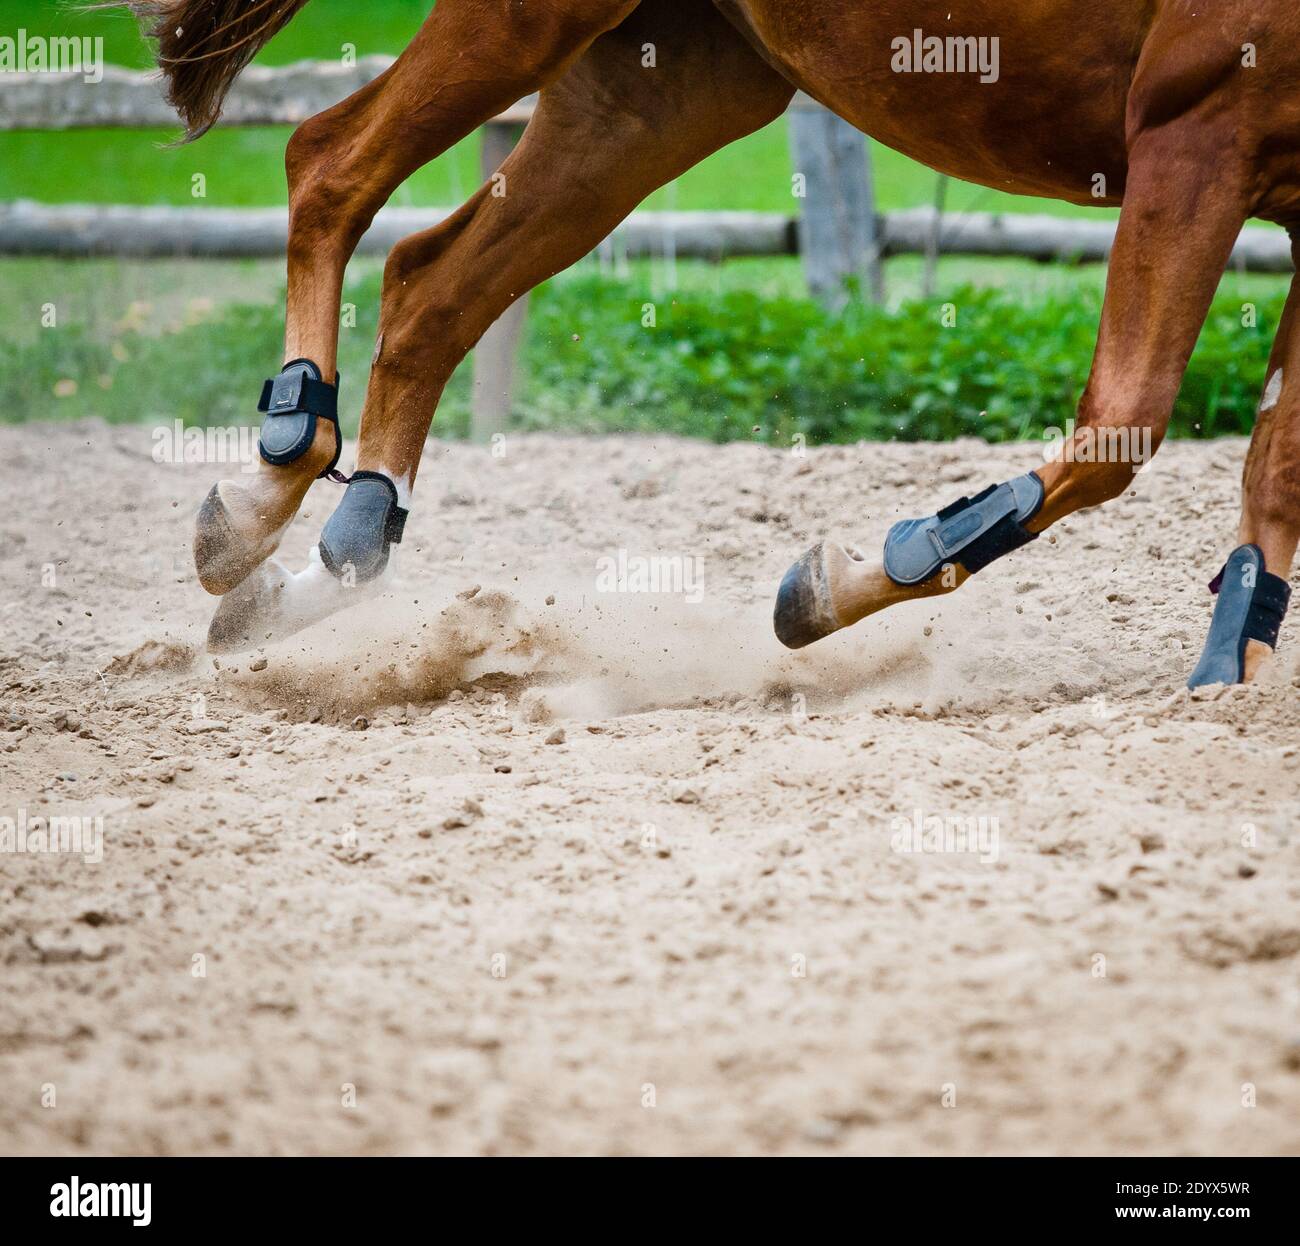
<point x="1027" y="97"/>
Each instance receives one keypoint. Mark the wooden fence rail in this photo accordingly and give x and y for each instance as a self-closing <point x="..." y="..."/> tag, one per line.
<point x="72" y="231"/>
<point x="76" y="231"/>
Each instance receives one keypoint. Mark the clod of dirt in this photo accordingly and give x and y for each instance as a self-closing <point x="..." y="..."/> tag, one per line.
<point x="61" y="947"/>
<point x="152" y="655"/>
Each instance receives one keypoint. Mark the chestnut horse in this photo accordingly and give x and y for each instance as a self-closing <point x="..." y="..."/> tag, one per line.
<point x="1185" y="113"/>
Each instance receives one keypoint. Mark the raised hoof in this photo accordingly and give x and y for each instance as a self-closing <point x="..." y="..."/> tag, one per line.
<point x="250" y="615"/>
<point x="222" y="557"/>
<point x="803" y="602"/>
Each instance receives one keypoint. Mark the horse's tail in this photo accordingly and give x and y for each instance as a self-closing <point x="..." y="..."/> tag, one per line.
<point x="204" y="45"/>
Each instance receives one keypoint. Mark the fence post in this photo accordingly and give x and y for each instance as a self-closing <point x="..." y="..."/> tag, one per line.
<point x="931" y="278"/>
<point x="837" y="222"/>
<point x="496" y="357"/>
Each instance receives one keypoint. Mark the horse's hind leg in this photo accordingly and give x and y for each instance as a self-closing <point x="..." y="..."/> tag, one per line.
<point x="1270" y="521"/>
<point x="471" y="59"/>
<point x="604" y="136"/>
<point x="1184" y="205"/>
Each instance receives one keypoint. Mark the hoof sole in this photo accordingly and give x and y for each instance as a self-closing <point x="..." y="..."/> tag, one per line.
<point x="223" y="558"/>
<point x="803" y="611"/>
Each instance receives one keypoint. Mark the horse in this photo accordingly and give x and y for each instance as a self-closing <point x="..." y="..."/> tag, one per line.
<point x="1183" y="114"/>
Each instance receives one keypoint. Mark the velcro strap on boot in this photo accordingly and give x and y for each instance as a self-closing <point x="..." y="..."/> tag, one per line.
<point x="1252" y="604"/>
<point x="971" y="532"/>
<point x="292" y="403"/>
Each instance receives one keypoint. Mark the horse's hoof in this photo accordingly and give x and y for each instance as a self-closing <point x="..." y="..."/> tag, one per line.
<point x="249" y="615"/>
<point x="275" y="603"/>
<point x="222" y="557"/>
<point x="804" y="613"/>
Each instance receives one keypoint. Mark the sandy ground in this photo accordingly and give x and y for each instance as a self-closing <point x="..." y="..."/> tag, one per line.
<point x="617" y="874"/>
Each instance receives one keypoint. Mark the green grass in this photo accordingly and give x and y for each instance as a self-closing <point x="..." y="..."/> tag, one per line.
<point x="245" y="167"/>
<point x="737" y="352"/>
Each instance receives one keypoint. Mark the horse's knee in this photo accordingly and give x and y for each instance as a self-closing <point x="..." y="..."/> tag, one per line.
<point x="406" y="263"/>
<point x="307" y="147"/>
<point x="328" y="204"/>
<point x="427" y="304"/>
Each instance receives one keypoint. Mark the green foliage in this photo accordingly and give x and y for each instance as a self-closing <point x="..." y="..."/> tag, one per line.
<point x="721" y="366"/>
<point x="741" y="366"/>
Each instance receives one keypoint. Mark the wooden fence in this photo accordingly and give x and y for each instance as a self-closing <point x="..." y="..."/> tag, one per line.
<point x="74" y="231"/>
<point x="836" y="230"/>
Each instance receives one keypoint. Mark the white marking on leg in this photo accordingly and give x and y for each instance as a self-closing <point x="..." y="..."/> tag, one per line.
<point x="1272" y="392"/>
<point x="405" y="486"/>
<point x="276" y="602"/>
<point x="315" y="593"/>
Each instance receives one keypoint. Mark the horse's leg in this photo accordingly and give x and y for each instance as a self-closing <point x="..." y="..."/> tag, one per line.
<point x="1184" y="205"/>
<point x="605" y="135"/>
<point x="471" y="59"/>
<point x="1270" y="520"/>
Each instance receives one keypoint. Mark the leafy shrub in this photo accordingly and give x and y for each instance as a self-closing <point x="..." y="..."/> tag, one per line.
<point x="724" y="367"/>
